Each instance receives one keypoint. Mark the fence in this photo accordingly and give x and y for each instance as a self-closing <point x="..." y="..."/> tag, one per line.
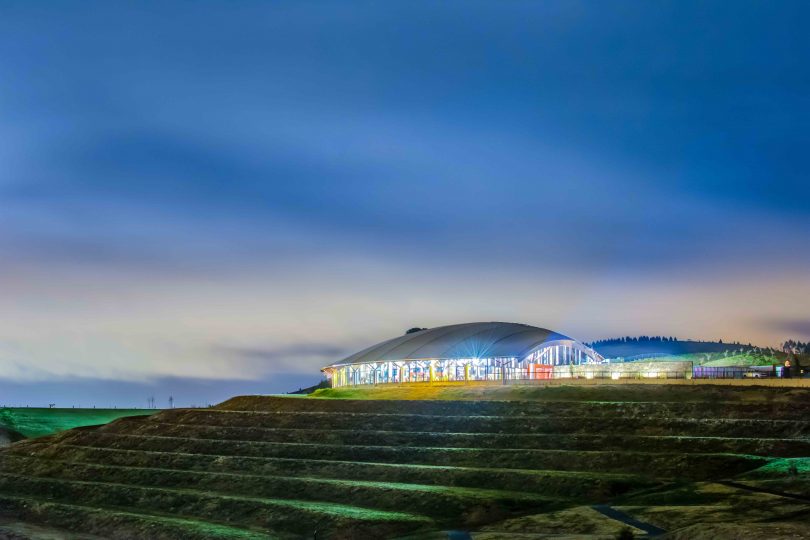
<point x="738" y="372"/>
<point x="637" y="357"/>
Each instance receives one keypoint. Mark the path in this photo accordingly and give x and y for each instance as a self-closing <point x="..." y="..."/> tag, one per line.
<point x="627" y="519"/>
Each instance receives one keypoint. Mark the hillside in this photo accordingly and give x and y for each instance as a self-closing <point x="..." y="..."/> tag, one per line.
<point x="701" y="353"/>
<point x="634" y="346"/>
<point x="564" y="461"/>
<point x="37" y="422"/>
<point x="751" y="357"/>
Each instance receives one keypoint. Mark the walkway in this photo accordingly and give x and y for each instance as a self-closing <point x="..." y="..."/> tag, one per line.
<point x="627" y="519"/>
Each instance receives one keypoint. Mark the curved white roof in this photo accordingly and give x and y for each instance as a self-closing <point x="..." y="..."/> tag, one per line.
<point x="470" y="340"/>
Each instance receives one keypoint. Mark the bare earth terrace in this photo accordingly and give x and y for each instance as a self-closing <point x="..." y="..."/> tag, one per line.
<point x="497" y="463"/>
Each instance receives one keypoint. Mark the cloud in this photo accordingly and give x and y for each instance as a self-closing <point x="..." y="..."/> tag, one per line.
<point x="792" y="328"/>
<point x="297" y="357"/>
<point x="227" y="204"/>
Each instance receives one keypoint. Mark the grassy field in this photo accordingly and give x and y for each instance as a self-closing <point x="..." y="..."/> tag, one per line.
<point x="727" y="359"/>
<point x="751" y="357"/>
<point x="697" y="392"/>
<point x="38" y="422"/>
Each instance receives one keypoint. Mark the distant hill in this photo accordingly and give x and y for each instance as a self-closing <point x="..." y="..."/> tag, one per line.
<point x="634" y="346"/>
<point x="37" y="422"/>
<point x="308" y="390"/>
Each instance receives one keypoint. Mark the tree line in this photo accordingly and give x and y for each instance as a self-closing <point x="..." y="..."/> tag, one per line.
<point x="630" y="339"/>
<point x="796" y="347"/>
<point x="790" y="346"/>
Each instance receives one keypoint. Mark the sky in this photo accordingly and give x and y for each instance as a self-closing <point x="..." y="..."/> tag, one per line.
<point x="202" y="199"/>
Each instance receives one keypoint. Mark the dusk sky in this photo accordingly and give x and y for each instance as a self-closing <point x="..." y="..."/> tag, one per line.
<point x="203" y="199"/>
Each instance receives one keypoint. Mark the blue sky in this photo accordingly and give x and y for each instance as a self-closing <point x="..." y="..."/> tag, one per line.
<point x="208" y="198"/>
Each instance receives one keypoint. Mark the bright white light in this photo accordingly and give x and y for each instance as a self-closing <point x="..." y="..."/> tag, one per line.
<point x="615" y="375"/>
<point x="589" y="374"/>
<point x="651" y="374"/>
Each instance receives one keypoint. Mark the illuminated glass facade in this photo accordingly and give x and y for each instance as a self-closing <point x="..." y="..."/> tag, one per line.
<point x="500" y="352"/>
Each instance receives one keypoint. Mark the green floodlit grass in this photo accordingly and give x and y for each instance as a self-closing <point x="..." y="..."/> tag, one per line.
<point x="207" y="530"/>
<point x="325" y="508"/>
<point x="781" y="467"/>
<point x="351" y="512"/>
<point x="787" y="475"/>
<point x="473" y="493"/>
<point x="719" y="359"/>
<point x="747" y="358"/>
<point x="467" y="492"/>
<point x="602" y="392"/>
<point x="744" y="360"/>
<point x="38" y="422"/>
<point x="538" y="472"/>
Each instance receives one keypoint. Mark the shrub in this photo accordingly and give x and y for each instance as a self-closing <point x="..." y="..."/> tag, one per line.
<point x="793" y="469"/>
<point x="625" y="534"/>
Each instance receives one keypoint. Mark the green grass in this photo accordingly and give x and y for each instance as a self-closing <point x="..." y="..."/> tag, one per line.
<point x="781" y="467"/>
<point x="38" y="422"/>
<point x="194" y="528"/>
<point x="747" y="358"/>
<point x="332" y="509"/>
<point x="725" y="359"/>
<point x="603" y="392"/>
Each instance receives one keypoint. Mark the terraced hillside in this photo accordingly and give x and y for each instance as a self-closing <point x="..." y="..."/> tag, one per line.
<point x="274" y="467"/>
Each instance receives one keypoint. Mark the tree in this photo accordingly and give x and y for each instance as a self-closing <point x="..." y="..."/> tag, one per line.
<point x="625" y="534"/>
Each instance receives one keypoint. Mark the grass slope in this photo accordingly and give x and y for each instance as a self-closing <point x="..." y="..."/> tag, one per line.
<point x="704" y="353"/>
<point x="555" y="393"/>
<point x="727" y="358"/>
<point x="633" y="348"/>
<point x="38" y="422"/>
<point x="503" y="462"/>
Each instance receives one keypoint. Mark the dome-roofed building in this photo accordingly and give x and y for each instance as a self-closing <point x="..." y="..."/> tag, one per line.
<point x="462" y="352"/>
